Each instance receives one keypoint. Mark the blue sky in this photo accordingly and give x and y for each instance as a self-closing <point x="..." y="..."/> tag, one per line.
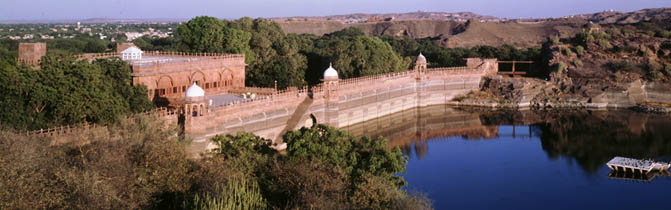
<point x="82" y="9"/>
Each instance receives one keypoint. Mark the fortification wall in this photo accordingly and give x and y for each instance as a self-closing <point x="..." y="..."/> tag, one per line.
<point x="354" y="101"/>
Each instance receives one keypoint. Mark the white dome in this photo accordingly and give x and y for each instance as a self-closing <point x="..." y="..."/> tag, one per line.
<point x="330" y="73"/>
<point x="195" y="91"/>
<point x="421" y="58"/>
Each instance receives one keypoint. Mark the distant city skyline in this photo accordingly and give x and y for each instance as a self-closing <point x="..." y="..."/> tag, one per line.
<point x="23" y="10"/>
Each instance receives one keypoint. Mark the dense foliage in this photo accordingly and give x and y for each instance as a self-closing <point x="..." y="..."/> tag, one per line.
<point x="143" y="165"/>
<point x="65" y="91"/>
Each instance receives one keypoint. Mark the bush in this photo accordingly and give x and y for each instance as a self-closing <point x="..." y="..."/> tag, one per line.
<point x="560" y="67"/>
<point x="601" y="35"/>
<point x="654" y="75"/>
<point x="663" y="34"/>
<point x="613" y="32"/>
<point x="650" y="33"/>
<point x="654" y="66"/>
<point x="566" y="51"/>
<point x="554" y="40"/>
<point x="644" y="51"/>
<point x="577" y="63"/>
<point x="239" y="193"/>
<point x="130" y="166"/>
<point x="667" y="69"/>
<point x="580" y="50"/>
<point x="624" y="66"/>
<point x="605" y="44"/>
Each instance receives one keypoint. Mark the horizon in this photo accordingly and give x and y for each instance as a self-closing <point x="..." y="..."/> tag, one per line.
<point x="24" y="11"/>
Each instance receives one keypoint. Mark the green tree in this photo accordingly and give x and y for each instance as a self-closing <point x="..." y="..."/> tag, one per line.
<point x="358" y="157"/>
<point x="355" y="56"/>
<point x="209" y="34"/>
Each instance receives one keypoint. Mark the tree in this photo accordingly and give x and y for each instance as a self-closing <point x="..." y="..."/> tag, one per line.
<point x="358" y="157"/>
<point x="202" y="34"/>
<point x="354" y="56"/>
<point x="66" y="91"/>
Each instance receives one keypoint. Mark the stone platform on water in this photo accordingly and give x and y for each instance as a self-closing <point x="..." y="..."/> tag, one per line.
<point x="636" y="165"/>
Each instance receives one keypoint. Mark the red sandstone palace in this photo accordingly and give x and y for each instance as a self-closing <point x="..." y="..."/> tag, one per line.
<point x="167" y="75"/>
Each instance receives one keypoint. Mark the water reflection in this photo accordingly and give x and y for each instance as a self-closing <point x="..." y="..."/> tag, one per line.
<point x="483" y="159"/>
<point x="591" y="138"/>
<point x="642" y="177"/>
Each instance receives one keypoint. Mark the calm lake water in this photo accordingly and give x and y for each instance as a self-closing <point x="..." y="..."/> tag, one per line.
<point x="483" y="159"/>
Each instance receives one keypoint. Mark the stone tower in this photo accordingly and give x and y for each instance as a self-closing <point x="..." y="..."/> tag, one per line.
<point x="31" y="53"/>
<point x="331" y="83"/>
<point x="194" y="107"/>
<point x="420" y="66"/>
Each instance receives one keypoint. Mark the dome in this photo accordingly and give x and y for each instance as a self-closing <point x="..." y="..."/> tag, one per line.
<point x="195" y="91"/>
<point x="421" y="58"/>
<point x="330" y="73"/>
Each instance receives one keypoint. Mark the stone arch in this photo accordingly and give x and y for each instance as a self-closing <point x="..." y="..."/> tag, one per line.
<point x="198" y="77"/>
<point x="164" y="85"/>
<point x="227" y="78"/>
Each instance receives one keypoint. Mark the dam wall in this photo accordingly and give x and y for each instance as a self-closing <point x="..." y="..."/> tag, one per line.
<point x="338" y="103"/>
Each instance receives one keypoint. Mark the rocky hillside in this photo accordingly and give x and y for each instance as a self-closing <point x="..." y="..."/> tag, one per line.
<point x="611" y="66"/>
<point x="451" y="33"/>
<point x="468" y="29"/>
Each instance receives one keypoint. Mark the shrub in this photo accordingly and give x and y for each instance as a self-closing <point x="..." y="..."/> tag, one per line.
<point x="239" y="193"/>
<point x="644" y="51"/>
<point x="663" y="34"/>
<point x="624" y="66"/>
<point x="583" y="38"/>
<point x="667" y="69"/>
<point x="560" y="67"/>
<point x="605" y="44"/>
<point x="580" y="50"/>
<point x="554" y="39"/>
<point x="566" y="51"/>
<point x="654" y="75"/>
<point x="654" y="66"/>
<point x="613" y="32"/>
<point x="650" y="33"/>
<point x="601" y="35"/>
<point x="577" y="63"/>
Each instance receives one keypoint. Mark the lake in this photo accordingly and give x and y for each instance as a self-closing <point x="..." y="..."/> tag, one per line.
<point x="465" y="158"/>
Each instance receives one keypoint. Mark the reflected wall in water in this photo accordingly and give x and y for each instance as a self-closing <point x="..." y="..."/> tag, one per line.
<point x="591" y="138"/>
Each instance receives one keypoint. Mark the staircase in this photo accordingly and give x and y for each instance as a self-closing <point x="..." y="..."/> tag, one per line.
<point x="296" y="117"/>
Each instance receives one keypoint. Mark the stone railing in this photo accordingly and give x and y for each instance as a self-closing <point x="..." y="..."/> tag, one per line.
<point x="279" y="95"/>
<point x="68" y="129"/>
<point x="92" y="56"/>
<point x="365" y="80"/>
<point x="187" y="54"/>
<point x="256" y="90"/>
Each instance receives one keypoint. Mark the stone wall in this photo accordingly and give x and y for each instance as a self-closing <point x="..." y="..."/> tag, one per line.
<point x="352" y="101"/>
<point x="215" y="74"/>
<point x="31" y="53"/>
